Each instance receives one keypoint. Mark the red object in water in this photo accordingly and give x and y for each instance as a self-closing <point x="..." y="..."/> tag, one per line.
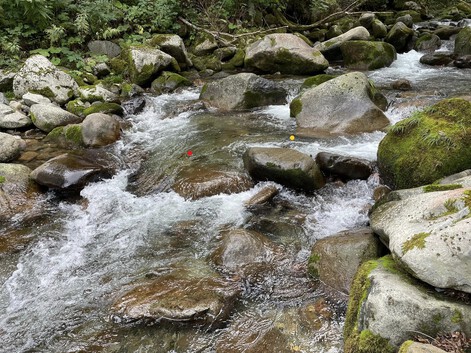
<point x="189" y="153"/>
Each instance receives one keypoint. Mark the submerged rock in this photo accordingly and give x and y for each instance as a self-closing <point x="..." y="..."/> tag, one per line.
<point x="336" y="259"/>
<point x="196" y="183"/>
<point x="178" y="297"/>
<point x="387" y="307"/>
<point x="429" y="234"/>
<point x="69" y="173"/>
<point x="39" y="75"/>
<point x="242" y="91"/>
<point x="285" y="166"/>
<point x="339" y="106"/>
<point x="346" y="167"/>
<point x="285" y="53"/>
<point x="438" y="58"/>
<point x="427" y="146"/>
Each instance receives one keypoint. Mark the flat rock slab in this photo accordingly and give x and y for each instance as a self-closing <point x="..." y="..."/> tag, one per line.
<point x="285" y="166"/>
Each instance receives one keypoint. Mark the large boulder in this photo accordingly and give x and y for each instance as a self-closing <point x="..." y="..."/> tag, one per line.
<point x="428" y="42"/>
<point x="99" y="129"/>
<point x="345" y="167"/>
<point x="399" y="36"/>
<point x="47" y="117"/>
<point x="429" y="235"/>
<point x="145" y="63"/>
<point x="168" y="82"/>
<point x="366" y="55"/>
<point x="285" y="166"/>
<point x="339" y="106"/>
<point x="39" y="75"/>
<point x="18" y="193"/>
<point x="378" y="29"/>
<point x="357" y="33"/>
<point x="427" y="146"/>
<point x="178" y="297"/>
<point x="104" y="47"/>
<point x="388" y="307"/>
<point x="69" y="173"/>
<point x="195" y="183"/>
<point x="10" y="147"/>
<point x="336" y="259"/>
<point x="285" y="53"/>
<point x="463" y="42"/>
<point x="242" y="91"/>
<point x="173" y="45"/>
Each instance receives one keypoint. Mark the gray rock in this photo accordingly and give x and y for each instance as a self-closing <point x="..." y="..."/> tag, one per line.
<point x="101" y="70"/>
<point x="207" y="46"/>
<point x="366" y="19"/>
<point x="30" y="98"/>
<point x="241" y="249"/>
<point x="178" y="297"/>
<point x="336" y="259"/>
<point x="285" y="166"/>
<point x="3" y="99"/>
<point x="6" y="80"/>
<point x="416" y="347"/>
<point x="195" y="183"/>
<point x="392" y="306"/>
<point x="173" y="45"/>
<point x="5" y="109"/>
<point x="406" y="19"/>
<point x="18" y="194"/>
<point x="47" y="117"/>
<point x="10" y="147"/>
<point x="378" y="29"/>
<point x="445" y="32"/>
<point x="145" y="63"/>
<point x="402" y="85"/>
<point x="285" y="53"/>
<point x="39" y="75"/>
<point x="242" y="91"/>
<point x="68" y="173"/>
<point x="463" y="62"/>
<point x="15" y="120"/>
<point x="339" y="106"/>
<point x="104" y="47"/>
<point x="100" y="130"/>
<point x="399" y="36"/>
<point x="428" y="43"/>
<point x="97" y="93"/>
<point x="346" y="167"/>
<point x="463" y="42"/>
<point x="438" y="58"/>
<point x="428" y="233"/>
<point x="367" y="55"/>
<point x="357" y="33"/>
<point x="266" y="194"/>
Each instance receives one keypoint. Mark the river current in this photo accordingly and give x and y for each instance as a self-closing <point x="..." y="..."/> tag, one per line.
<point x="56" y="292"/>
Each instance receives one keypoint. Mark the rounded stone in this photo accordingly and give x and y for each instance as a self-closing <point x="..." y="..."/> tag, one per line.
<point x="100" y="130"/>
<point x="10" y="147"/>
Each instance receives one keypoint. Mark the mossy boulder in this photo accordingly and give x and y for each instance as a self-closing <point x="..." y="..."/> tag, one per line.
<point x="168" y="82"/>
<point x="242" y="91"/>
<point x="378" y="29"/>
<point x="463" y="42"/>
<point x="357" y="33"/>
<point x="47" y="117"/>
<point x="427" y="234"/>
<point x="285" y="53"/>
<point x="69" y="135"/>
<point x="416" y="347"/>
<point x="399" y="36"/>
<point x="366" y="55"/>
<point x="428" y="42"/>
<point x="173" y="45"/>
<point x="145" y="63"/>
<point x="206" y="62"/>
<point x="427" y="146"/>
<point x="315" y="81"/>
<point x="341" y="106"/>
<point x="105" y="108"/>
<point x="285" y="166"/>
<point x="387" y="306"/>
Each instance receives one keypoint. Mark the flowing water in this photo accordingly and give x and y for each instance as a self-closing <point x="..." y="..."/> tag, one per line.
<point x="56" y="291"/>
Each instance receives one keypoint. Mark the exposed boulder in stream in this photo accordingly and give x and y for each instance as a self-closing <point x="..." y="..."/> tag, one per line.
<point x="346" y="167"/>
<point x="100" y="130"/>
<point x="69" y="173"/>
<point x="387" y="307"/>
<point x="39" y="75"/>
<point x="463" y="42"/>
<point x="284" y="53"/>
<point x="266" y="194"/>
<point x="10" y="147"/>
<point x="285" y="166"/>
<point x="339" y="106"/>
<point x="357" y="33"/>
<point x="336" y="259"/>
<point x="18" y="193"/>
<point x="428" y="233"/>
<point x="197" y="182"/>
<point x="178" y="297"/>
<point x="366" y="55"/>
<point x="399" y="36"/>
<point x="438" y="58"/>
<point x="427" y="146"/>
<point x="47" y="117"/>
<point x="173" y="45"/>
<point x="242" y="91"/>
<point x="428" y="42"/>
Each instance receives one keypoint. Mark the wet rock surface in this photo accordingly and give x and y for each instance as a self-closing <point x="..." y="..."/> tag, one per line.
<point x="344" y="166"/>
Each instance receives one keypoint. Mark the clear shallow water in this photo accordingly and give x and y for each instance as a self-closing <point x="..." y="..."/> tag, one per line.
<point x="56" y="294"/>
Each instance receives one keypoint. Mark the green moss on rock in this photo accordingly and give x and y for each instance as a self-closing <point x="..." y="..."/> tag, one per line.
<point x="119" y="66"/>
<point x="2" y="179"/>
<point x="417" y="241"/>
<point x="312" y="265"/>
<point x="441" y="187"/>
<point x="295" y="107"/>
<point x="76" y="107"/>
<point x="405" y="346"/>
<point x="169" y="81"/>
<point x="106" y="108"/>
<point x="73" y="133"/>
<point x="315" y="81"/>
<point x="428" y="146"/>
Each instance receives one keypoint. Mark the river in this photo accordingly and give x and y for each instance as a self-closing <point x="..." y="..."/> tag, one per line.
<point x="56" y="292"/>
